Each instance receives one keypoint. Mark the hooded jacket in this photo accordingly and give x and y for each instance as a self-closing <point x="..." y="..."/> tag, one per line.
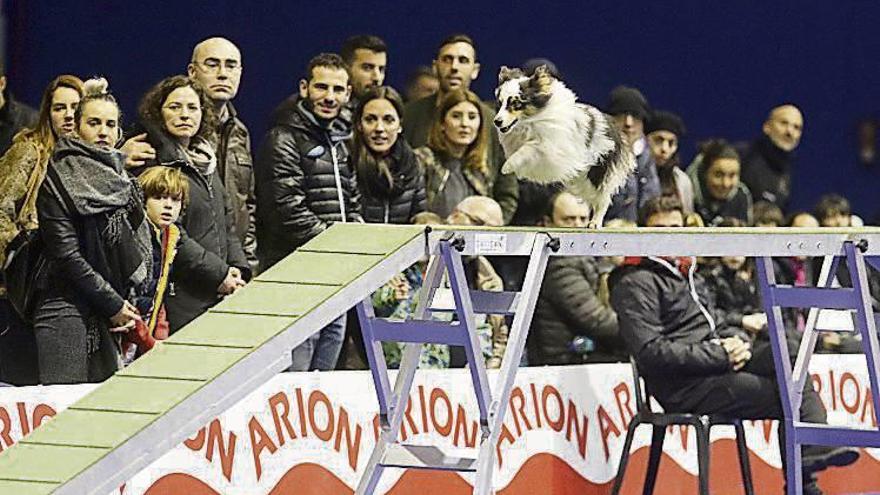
<point x="669" y="325"/>
<point x="304" y="180"/>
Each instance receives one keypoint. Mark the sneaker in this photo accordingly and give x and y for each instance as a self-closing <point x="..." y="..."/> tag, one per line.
<point x="817" y="458"/>
<point x="812" y="488"/>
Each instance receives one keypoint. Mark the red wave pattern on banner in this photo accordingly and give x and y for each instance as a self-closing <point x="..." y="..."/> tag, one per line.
<point x="546" y="473"/>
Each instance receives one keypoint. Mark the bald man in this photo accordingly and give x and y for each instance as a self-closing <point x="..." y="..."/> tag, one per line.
<point x="766" y="164"/>
<point x="216" y="65"/>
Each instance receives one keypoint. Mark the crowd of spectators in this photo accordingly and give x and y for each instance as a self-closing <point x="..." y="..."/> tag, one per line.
<point x="141" y="232"/>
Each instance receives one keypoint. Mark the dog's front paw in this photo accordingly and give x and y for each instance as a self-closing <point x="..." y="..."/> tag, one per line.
<point x="507" y="168"/>
<point x="593" y="226"/>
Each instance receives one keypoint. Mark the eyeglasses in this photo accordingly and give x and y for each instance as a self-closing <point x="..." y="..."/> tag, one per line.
<point x="214" y="65"/>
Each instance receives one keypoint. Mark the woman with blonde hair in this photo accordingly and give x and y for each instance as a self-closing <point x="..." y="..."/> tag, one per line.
<point x="22" y="169"/>
<point x="455" y="160"/>
<point x="97" y="242"/>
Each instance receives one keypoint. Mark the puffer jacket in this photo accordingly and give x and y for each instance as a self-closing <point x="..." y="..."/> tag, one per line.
<point x="304" y="181"/>
<point x="569" y="307"/>
<point x="398" y="204"/>
<point x="209" y="244"/>
<point x="235" y="164"/>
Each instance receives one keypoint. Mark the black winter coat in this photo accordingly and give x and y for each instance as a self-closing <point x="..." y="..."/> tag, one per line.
<point x="209" y="244"/>
<point x="766" y="170"/>
<point x="666" y="330"/>
<point x="14" y="117"/>
<point x="304" y="181"/>
<point x="568" y="307"/>
<point x="398" y="204"/>
<point x="83" y="270"/>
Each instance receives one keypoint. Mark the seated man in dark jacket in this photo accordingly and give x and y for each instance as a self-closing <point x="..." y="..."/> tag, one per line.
<point x="693" y="362"/>
<point x="568" y="306"/>
<point x="305" y="182"/>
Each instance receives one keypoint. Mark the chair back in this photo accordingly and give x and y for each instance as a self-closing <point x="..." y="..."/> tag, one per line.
<point x="643" y="397"/>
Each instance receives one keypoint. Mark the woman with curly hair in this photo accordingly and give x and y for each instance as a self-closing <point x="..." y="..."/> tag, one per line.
<point x="22" y="169"/>
<point x="455" y="160"/>
<point x="97" y="241"/>
<point x="180" y="124"/>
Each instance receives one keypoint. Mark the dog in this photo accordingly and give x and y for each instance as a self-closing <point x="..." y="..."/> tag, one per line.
<point x="548" y="136"/>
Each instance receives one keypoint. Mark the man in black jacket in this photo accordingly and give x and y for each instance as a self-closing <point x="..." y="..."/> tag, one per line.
<point x="305" y="182"/>
<point x="766" y="163"/>
<point x="692" y="361"/>
<point x="14" y="116"/>
<point x="568" y="305"/>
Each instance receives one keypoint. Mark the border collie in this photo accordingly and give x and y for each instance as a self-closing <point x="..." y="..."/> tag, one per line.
<point x="548" y="137"/>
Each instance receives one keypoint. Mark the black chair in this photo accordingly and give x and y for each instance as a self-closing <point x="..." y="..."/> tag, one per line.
<point x="659" y="422"/>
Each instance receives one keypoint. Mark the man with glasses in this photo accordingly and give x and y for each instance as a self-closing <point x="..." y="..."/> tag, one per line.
<point x="216" y="65"/>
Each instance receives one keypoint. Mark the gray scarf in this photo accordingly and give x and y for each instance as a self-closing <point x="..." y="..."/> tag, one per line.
<point x="95" y="180"/>
<point x="202" y="156"/>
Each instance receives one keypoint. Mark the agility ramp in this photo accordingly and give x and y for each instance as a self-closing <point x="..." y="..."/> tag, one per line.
<point x="157" y="402"/>
<point x="150" y="407"/>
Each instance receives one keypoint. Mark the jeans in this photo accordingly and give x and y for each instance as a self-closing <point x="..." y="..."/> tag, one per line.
<point x="321" y="350"/>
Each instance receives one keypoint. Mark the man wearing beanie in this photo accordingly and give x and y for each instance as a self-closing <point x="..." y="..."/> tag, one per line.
<point x="766" y="163"/>
<point x="629" y="109"/>
<point x="663" y="131"/>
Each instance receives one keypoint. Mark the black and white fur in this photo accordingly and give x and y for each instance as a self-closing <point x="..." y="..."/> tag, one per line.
<point x="548" y="136"/>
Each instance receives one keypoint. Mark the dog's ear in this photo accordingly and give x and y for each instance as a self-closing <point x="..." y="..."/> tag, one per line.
<point x="541" y="81"/>
<point x="504" y="74"/>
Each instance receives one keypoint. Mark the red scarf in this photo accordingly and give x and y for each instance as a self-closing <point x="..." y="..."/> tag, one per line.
<point x="683" y="263"/>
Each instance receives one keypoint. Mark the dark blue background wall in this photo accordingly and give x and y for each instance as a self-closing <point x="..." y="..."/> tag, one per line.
<point x="722" y="65"/>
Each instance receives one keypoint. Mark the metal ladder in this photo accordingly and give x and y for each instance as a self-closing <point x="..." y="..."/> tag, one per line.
<point x="420" y="330"/>
<point x="791" y="379"/>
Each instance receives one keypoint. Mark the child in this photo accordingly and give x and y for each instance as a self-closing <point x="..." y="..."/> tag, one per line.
<point x="165" y="193"/>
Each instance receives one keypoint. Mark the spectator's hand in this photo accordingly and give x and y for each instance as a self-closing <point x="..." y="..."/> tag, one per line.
<point x="126" y="316"/>
<point x="830" y="340"/>
<point x="754" y="322"/>
<point x="124" y="328"/>
<point x="401" y="287"/>
<point x="232" y="282"/>
<point x="738" y="351"/>
<point x="137" y="151"/>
